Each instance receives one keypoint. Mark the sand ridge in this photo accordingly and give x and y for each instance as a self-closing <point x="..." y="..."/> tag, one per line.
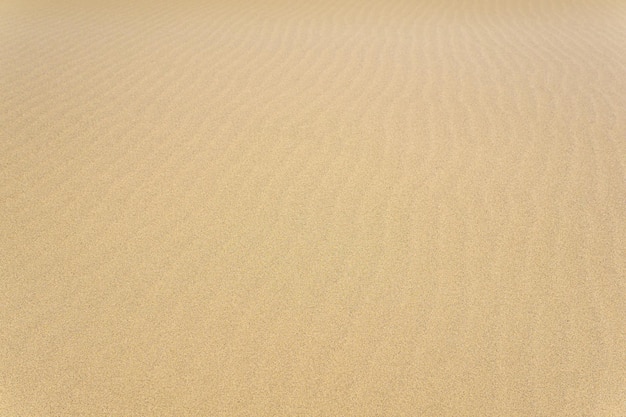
<point x="320" y="208"/>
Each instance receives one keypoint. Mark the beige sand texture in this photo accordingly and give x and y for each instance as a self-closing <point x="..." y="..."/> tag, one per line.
<point x="321" y="208"/>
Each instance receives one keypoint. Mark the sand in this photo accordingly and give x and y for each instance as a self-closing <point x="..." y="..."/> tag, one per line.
<point x="324" y="208"/>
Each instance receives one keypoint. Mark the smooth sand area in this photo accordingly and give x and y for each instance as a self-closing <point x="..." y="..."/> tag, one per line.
<point x="314" y="208"/>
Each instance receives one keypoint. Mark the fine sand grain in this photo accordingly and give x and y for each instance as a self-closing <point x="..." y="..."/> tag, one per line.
<point x="314" y="208"/>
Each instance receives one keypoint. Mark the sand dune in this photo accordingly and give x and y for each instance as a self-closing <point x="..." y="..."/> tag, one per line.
<point x="346" y="208"/>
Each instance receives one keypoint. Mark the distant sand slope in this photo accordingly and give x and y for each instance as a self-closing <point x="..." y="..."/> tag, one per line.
<point x="346" y="208"/>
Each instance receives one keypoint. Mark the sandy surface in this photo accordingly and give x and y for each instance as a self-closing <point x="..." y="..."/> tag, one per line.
<point x="341" y="208"/>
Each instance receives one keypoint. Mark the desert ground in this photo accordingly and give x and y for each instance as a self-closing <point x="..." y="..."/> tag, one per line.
<point x="313" y="208"/>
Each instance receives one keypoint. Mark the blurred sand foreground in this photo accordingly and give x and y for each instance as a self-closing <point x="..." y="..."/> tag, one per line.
<point x="340" y="208"/>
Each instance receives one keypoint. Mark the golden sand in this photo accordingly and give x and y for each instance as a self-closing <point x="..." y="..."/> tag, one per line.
<point x="323" y="208"/>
